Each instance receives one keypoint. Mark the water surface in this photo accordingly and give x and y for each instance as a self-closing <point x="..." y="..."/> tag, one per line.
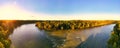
<point x="29" y="36"/>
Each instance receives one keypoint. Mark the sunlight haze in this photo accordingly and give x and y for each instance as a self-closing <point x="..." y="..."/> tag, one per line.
<point x="11" y="10"/>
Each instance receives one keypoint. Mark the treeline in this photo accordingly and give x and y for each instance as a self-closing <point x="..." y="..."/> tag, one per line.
<point x="114" y="41"/>
<point x="66" y="25"/>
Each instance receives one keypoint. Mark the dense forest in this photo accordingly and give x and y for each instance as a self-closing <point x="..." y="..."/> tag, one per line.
<point x="68" y="25"/>
<point x="114" y="41"/>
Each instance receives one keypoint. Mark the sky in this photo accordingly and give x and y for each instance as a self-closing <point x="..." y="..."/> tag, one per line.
<point x="68" y="6"/>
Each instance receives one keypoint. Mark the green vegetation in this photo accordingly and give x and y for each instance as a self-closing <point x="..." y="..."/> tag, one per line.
<point x="4" y="34"/>
<point x="68" y="25"/>
<point x="114" y="41"/>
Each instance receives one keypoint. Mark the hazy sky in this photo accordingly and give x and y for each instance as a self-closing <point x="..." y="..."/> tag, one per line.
<point x="68" y="6"/>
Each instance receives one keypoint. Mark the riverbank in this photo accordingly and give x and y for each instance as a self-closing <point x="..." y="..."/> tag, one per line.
<point x="114" y="40"/>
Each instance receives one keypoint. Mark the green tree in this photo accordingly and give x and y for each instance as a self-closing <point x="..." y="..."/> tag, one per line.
<point x="1" y="45"/>
<point x="114" y="41"/>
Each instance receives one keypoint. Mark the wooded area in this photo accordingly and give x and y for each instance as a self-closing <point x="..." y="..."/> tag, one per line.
<point x="68" y="25"/>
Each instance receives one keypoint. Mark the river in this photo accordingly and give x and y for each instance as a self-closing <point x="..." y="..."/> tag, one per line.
<point x="29" y="36"/>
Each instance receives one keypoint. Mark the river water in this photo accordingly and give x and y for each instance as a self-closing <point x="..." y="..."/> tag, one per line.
<point x="29" y="36"/>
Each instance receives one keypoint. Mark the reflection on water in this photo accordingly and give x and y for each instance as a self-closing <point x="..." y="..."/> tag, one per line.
<point x="29" y="36"/>
<point x="89" y="38"/>
<point x="98" y="38"/>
